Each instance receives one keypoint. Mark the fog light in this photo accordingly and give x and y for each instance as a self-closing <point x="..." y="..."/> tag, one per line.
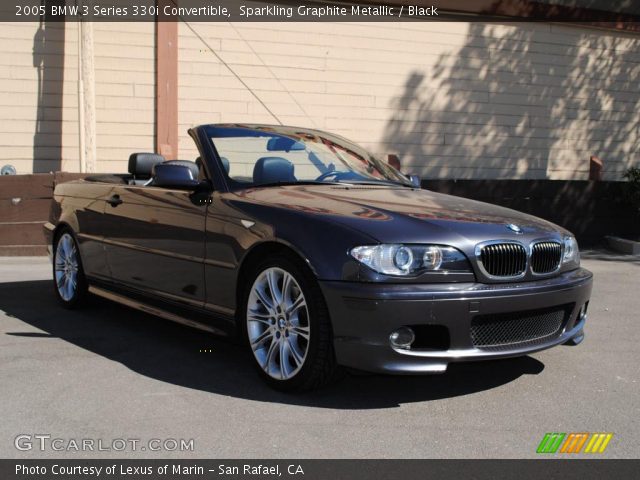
<point x="402" y="338"/>
<point x="583" y="312"/>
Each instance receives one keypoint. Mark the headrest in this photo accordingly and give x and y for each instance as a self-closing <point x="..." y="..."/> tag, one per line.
<point x="273" y="170"/>
<point x="185" y="163"/>
<point x="141" y="164"/>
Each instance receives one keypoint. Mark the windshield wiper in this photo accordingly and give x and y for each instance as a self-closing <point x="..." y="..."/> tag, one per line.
<point x="285" y="183"/>
<point x="381" y="183"/>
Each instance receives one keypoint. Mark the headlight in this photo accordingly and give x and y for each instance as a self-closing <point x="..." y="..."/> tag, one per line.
<point x="571" y="253"/>
<point x="410" y="259"/>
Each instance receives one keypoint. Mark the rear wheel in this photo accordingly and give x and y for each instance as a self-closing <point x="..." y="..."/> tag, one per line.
<point x="287" y="326"/>
<point x="69" y="281"/>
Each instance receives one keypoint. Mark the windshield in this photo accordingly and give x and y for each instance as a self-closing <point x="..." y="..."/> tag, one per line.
<point x="262" y="155"/>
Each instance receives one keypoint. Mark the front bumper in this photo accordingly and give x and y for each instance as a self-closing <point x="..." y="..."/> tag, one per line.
<point x="364" y="315"/>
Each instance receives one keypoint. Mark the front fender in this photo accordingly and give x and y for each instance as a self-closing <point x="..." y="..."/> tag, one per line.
<point x="319" y="240"/>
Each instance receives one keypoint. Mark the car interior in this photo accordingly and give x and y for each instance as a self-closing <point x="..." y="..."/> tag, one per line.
<point x="260" y="160"/>
<point x="141" y="170"/>
<point x="273" y="170"/>
<point x="270" y="169"/>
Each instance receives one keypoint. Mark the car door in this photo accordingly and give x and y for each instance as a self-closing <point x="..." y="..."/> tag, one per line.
<point x="155" y="242"/>
<point x="82" y="205"/>
<point x="227" y="241"/>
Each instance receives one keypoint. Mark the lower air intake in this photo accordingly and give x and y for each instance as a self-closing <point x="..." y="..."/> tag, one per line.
<point x="519" y="328"/>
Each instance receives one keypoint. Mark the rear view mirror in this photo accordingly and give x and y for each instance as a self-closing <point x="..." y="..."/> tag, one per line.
<point x="283" y="144"/>
<point x="173" y="176"/>
<point x="415" y="180"/>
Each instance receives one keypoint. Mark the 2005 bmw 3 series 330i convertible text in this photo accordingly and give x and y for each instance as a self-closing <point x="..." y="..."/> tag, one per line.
<point x="318" y="256"/>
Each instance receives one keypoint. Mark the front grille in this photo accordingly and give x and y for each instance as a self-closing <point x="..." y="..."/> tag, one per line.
<point x="504" y="259"/>
<point x="545" y="257"/>
<point x="508" y="329"/>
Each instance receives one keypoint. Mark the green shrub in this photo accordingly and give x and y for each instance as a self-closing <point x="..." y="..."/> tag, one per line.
<point x="632" y="190"/>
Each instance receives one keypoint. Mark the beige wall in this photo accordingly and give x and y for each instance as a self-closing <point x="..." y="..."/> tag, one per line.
<point x="38" y="94"/>
<point x="462" y="100"/>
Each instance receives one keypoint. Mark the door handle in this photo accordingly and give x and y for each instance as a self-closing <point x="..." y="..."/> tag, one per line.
<point x="114" y="201"/>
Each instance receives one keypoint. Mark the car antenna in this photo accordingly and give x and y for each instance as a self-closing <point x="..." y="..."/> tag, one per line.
<point x="232" y="70"/>
<point x="265" y="65"/>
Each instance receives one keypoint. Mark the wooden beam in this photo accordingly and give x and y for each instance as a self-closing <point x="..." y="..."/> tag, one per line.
<point x="167" y="88"/>
<point x="87" y="98"/>
<point x="596" y="168"/>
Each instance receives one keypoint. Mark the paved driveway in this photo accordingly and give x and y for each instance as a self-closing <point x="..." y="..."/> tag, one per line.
<point x="111" y="373"/>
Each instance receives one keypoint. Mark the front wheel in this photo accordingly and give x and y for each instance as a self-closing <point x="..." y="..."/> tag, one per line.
<point x="287" y="326"/>
<point x="69" y="281"/>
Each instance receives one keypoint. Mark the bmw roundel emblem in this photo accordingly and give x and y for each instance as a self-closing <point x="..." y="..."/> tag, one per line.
<point x="514" y="228"/>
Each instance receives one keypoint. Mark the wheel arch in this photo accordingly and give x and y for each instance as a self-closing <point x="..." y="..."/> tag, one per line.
<point x="57" y="231"/>
<point x="66" y="219"/>
<point x="259" y="251"/>
<point x="59" y="228"/>
<point x="320" y="366"/>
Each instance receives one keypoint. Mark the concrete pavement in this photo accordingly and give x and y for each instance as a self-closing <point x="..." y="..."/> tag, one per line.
<point x="108" y="372"/>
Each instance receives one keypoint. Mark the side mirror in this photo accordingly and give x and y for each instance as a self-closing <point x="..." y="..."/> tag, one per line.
<point x="415" y="180"/>
<point x="173" y="176"/>
<point x="201" y="195"/>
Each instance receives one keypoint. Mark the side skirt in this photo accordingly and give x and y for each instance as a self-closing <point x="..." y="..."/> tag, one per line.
<point x="189" y="316"/>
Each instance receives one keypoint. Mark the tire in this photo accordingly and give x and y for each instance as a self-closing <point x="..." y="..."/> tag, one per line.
<point x="294" y="326"/>
<point x="69" y="281"/>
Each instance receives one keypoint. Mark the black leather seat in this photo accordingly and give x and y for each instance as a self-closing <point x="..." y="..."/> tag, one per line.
<point x="141" y="166"/>
<point x="273" y="170"/>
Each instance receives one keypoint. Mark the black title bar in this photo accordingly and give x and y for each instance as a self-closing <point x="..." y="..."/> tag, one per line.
<point x="309" y="11"/>
<point x="318" y="469"/>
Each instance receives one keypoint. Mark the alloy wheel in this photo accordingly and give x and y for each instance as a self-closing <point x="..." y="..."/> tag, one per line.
<point x="66" y="267"/>
<point x="278" y="324"/>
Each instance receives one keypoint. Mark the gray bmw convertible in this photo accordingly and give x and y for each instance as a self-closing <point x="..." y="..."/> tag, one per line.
<point x="318" y="256"/>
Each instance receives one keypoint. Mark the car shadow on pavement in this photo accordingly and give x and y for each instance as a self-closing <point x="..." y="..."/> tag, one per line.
<point x="609" y="256"/>
<point x="186" y="357"/>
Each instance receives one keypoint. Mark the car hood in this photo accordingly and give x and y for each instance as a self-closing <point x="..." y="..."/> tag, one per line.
<point x="405" y="215"/>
